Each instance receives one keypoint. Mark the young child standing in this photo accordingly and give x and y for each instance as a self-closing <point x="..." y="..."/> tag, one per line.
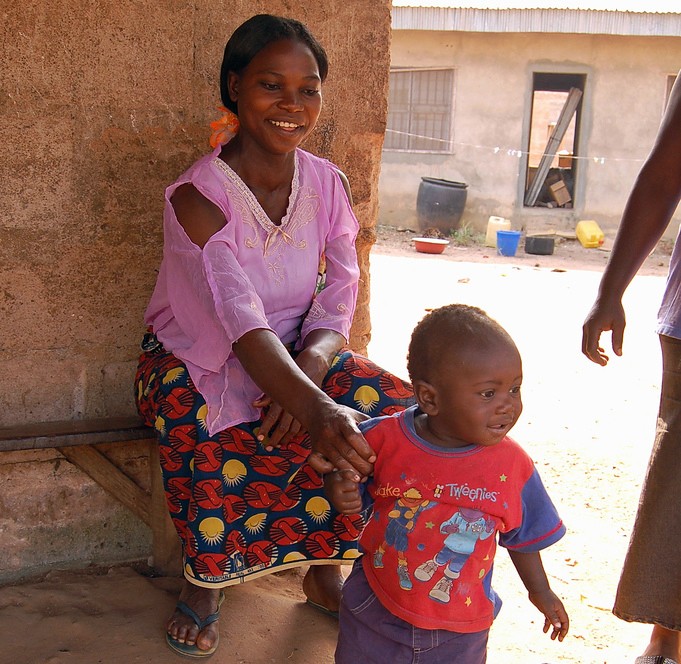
<point x="446" y="481"/>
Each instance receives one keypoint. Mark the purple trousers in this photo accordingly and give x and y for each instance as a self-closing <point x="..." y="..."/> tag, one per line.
<point x="370" y="634"/>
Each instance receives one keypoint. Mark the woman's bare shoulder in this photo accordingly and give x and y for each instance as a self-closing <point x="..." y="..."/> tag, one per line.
<point x="199" y="217"/>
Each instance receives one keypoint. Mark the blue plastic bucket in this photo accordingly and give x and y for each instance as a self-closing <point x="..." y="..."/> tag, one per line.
<point x="507" y="242"/>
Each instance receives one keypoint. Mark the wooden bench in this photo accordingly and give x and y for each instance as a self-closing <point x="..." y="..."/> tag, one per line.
<point x="77" y="440"/>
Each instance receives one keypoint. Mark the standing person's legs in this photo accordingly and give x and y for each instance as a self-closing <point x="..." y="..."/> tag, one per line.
<point x="650" y="585"/>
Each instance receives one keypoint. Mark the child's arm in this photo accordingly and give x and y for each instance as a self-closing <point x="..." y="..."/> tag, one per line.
<point x="343" y="491"/>
<point x="533" y="576"/>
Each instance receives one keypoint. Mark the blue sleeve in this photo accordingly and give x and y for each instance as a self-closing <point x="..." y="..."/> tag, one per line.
<point x="541" y="526"/>
<point x="367" y="500"/>
<point x="368" y="425"/>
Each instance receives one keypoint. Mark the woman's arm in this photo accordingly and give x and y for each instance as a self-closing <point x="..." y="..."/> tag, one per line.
<point x="314" y="360"/>
<point x="648" y="211"/>
<point x="199" y="217"/>
<point x="336" y="440"/>
<point x="326" y="326"/>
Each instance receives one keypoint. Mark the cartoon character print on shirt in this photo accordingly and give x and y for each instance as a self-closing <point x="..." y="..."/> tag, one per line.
<point x="463" y="530"/>
<point x="401" y="521"/>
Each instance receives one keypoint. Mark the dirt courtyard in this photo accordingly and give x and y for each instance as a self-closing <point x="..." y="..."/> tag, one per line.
<point x="588" y="428"/>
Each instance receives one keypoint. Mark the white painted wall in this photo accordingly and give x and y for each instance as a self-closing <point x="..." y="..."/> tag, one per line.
<point x="622" y="107"/>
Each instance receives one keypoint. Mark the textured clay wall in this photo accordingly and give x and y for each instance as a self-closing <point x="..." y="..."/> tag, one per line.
<point x="101" y="106"/>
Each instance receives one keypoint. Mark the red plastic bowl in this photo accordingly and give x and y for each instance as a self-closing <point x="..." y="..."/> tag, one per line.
<point x="430" y="245"/>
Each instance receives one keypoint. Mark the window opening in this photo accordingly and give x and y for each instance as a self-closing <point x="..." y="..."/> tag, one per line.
<point x="671" y="79"/>
<point x="553" y="143"/>
<point x="420" y="105"/>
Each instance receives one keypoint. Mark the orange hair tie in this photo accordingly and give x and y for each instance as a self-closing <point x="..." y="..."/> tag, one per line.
<point x="225" y="128"/>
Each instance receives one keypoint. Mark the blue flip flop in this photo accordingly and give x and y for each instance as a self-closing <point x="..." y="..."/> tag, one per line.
<point x="193" y="650"/>
<point x="323" y="609"/>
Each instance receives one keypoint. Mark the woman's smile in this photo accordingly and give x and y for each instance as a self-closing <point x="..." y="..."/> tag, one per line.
<point x="278" y="96"/>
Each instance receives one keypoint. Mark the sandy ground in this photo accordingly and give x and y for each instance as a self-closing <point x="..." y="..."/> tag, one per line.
<point x="588" y="428"/>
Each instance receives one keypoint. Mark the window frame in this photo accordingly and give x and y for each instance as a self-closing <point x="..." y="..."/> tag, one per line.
<point x="447" y="122"/>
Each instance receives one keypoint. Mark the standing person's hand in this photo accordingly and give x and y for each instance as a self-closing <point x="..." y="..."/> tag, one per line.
<point x="603" y="317"/>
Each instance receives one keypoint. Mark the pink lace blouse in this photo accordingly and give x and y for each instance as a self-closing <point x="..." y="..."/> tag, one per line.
<point x="253" y="274"/>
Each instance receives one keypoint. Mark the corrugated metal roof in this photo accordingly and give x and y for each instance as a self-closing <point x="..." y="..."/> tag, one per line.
<point x="641" y="6"/>
<point x="570" y="21"/>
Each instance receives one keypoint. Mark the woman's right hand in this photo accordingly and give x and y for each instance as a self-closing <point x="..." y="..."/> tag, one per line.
<point x="337" y="443"/>
<point x="604" y="316"/>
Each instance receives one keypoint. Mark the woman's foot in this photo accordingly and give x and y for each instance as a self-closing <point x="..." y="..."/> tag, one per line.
<point x="182" y="628"/>
<point x="664" y="642"/>
<point x="322" y="586"/>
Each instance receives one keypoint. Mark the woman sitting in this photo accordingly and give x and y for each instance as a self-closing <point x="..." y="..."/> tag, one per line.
<point x="245" y="372"/>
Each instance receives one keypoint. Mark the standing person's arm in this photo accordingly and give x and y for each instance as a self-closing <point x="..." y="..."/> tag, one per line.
<point x="651" y="204"/>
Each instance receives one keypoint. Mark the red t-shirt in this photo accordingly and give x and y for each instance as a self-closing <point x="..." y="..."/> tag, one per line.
<point x="430" y="541"/>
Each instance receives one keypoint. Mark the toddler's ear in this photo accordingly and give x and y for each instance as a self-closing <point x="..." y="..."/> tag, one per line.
<point x="426" y="396"/>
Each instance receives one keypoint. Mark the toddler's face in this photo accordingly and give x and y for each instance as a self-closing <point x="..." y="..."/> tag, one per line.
<point x="478" y="396"/>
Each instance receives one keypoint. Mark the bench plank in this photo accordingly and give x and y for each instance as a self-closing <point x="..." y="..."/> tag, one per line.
<point x="68" y="433"/>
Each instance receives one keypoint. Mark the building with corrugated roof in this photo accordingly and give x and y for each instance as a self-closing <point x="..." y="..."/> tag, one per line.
<point x="545" y="114"/>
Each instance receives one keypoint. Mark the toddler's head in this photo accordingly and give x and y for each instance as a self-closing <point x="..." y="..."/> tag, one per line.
<point x="467" y="373"/>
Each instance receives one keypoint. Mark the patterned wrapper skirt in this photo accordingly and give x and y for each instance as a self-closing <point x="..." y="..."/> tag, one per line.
<point x="650" y="585"/>
<point x="240" y="510"/>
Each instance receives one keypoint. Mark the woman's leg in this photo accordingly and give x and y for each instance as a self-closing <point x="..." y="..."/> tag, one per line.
<point x="322" y="585"/>
<point x="357" y="382"/>
<point x="239" y="510"/>
<point x="164" y="398"/>
<point x="183" y="628"/>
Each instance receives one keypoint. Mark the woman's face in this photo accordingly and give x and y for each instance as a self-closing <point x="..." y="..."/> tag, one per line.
<point x="278" y="96"/>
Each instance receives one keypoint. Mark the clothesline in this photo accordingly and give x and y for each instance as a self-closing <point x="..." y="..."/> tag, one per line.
<point x="513" y="152"/>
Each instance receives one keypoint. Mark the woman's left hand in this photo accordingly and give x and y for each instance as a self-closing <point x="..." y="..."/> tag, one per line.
<point x="278" y="426"/>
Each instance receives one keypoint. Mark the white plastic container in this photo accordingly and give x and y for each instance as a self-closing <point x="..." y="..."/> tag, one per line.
<point x="495" y="224"/>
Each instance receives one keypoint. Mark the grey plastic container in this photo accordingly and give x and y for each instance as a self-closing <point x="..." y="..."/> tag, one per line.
<point x="542" y="245"/>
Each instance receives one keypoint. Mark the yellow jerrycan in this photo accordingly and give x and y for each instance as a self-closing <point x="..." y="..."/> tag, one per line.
<point x="589" y="233"/>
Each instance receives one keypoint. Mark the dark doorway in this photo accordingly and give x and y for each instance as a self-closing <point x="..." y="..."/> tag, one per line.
<point x="555" y="117"/>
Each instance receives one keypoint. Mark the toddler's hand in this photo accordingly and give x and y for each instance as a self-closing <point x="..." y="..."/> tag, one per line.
<point x="343" y="491"/>
<point x="555" y="615"/>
